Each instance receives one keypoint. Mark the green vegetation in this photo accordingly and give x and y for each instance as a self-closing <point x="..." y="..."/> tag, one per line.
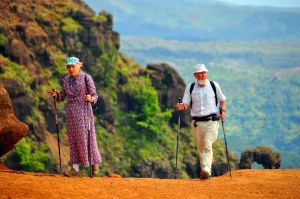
<point x="29" y="156"/>
<point x="60" y="62"/>
<point x="70" y="26"/>
<point x="3" y="39"/>
<point x="66" y="7"/>
<point x="146" y="118"/>
<point x="105" y="69"/>
<point x="101" y="18"/>
<point x="146" y="111"/>
<point x="18" y="73"/>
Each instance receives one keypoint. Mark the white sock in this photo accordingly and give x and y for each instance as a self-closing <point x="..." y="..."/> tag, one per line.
<point x="76" y="167"/>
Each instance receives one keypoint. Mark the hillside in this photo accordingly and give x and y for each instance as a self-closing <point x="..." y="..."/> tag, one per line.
<point x="201" y="20"/>
<point x="244" y="184"/>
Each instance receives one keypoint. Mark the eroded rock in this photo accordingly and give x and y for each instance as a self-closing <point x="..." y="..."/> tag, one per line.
<point x="11" y="129"/>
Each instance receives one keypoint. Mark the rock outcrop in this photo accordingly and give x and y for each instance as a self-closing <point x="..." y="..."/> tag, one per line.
<point x="261" y="155"/>
<point x="11" y="129"/>
<point x="170" y="86"/>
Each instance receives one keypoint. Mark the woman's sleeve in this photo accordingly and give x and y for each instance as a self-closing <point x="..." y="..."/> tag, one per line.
<point x="92" y="89"/>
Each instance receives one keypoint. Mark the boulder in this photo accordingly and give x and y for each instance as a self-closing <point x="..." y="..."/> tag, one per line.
<point x="11" y="129"/>
<point x="265" y="156"/>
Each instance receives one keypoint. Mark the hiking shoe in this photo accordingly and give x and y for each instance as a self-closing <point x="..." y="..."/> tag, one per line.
<point x="95" y="169"/>
<point x="72" y="173"/>
<point x="204" y="176"/>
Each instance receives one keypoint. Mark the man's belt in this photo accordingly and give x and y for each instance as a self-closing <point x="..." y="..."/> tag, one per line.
<point x="213" y="117"/>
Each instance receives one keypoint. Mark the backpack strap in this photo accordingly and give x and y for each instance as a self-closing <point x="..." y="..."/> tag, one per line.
<point x="215" y="91"/>
<point x="86" y="85"/>
<point x="191" y="90"/>
<point x="213" y="87"/>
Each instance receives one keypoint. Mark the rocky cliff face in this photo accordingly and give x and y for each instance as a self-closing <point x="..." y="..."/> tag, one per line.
<point x="33" y="31"/>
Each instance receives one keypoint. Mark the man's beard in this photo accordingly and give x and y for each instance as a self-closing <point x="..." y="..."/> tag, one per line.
<point x="202" y="82"/>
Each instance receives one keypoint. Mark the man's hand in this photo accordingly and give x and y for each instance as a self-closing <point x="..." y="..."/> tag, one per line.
<point x="222" y="113"/>
<point x="222" y="116"/>
<point x="180" y="106"/>
<point x="222" y="110"/>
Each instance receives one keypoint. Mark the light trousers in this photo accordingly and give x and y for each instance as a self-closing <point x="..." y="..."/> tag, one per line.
<point x="205" y="134"/>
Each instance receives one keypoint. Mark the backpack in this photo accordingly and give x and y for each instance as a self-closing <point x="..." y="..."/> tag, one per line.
<point x="213" y="87"/>
<point x="87" y="92"/>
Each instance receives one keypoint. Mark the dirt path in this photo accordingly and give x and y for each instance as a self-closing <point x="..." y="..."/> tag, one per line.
<point x="244" y="184"/>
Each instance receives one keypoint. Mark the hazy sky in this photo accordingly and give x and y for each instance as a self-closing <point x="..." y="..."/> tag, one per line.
<point x="275" y="3"/>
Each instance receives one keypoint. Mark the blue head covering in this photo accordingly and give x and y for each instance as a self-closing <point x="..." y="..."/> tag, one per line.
<point x="72" y="61"/>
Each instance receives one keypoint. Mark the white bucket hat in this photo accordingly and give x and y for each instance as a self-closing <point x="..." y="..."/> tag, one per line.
<point x="200" y="68"/>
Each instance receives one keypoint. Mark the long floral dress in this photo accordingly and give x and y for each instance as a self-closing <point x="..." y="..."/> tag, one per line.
<point x="78" y="114"/>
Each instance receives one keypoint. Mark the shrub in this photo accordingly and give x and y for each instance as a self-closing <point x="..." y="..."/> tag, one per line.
<point x="31" y="156"/>
<point x="3" y="39"/>
<point x="71" y="26"/>
<point x="100" y="18"/>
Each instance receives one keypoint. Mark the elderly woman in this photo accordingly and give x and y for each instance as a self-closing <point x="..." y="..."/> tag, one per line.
<point x="79" y="116"/>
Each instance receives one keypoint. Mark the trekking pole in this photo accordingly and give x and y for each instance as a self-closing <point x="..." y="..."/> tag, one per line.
<point x="89" y="143"/>
<point x="179" y="114"/>
<point x="227" y="156"/>
<point x="89" y="131"/>
<point x="57" y="133"/>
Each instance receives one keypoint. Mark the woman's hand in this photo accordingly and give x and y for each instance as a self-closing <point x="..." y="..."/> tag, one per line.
<point x="88" y="98"/>
<point x="53" y="93"/>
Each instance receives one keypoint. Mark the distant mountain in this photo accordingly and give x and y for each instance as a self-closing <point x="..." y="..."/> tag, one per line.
<point x="201" y="20"/>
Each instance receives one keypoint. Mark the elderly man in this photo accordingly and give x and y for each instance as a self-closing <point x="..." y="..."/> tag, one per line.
<point x="205" y="99"/>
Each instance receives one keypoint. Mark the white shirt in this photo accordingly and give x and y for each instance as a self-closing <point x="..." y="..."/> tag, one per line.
<point x="204" y="102"/>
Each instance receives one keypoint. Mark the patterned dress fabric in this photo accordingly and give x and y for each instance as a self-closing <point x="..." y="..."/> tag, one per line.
<point x="79" y="115"/>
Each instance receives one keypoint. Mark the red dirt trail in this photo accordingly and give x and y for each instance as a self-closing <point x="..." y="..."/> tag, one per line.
<point x="244" y="184"/>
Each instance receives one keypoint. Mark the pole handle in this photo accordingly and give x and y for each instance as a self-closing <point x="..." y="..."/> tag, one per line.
<point x="180" y="100"/>
<point x="53" y="90"/>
